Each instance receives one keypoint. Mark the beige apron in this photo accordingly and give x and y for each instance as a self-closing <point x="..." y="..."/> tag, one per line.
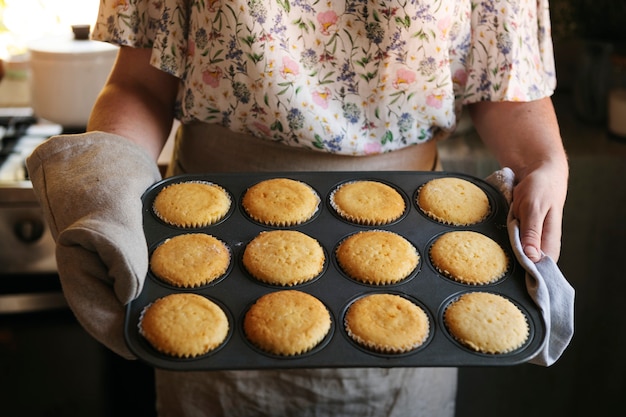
<point x="358" y="392"/>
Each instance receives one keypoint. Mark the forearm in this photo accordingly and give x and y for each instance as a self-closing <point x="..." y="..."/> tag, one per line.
<point x="521" y="135"/>
<point x="525" y="137"/>
<point x="137" y="102"/>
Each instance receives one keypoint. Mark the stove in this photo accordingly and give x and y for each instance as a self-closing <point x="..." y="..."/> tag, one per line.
<point x="26" y="245"/>
<point x="28" y="273"/>
<point x="40" y="339"/>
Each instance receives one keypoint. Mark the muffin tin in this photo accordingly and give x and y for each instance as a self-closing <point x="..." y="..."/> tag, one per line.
<point x="429" y="289"/>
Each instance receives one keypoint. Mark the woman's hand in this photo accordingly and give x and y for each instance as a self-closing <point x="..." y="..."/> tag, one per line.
<point x="525" y="137"/>
<point x="538" y="200"/>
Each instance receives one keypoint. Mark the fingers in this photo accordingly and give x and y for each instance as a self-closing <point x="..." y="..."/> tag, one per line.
<point x="530" y="236"/>
<point x="540" y="231"/>
<point x="551" y="235"/>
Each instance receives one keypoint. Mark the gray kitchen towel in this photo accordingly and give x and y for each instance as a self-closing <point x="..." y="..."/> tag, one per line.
<point x="547" y="286"/>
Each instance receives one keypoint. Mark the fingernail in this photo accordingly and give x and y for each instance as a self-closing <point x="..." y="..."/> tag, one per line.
<point x="532" y="252"/>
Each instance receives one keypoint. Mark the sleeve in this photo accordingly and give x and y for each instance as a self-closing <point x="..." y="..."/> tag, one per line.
<point x="511" y="53"/>
<point x="160" y="25"/>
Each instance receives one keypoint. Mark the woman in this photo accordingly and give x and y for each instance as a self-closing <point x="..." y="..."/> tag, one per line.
<point x="285" y="86"/>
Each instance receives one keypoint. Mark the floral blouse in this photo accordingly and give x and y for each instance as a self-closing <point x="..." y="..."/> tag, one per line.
<point x="344" y="76"/>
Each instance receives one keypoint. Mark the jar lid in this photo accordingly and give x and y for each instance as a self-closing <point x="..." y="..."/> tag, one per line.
<point x="71" y="46"/>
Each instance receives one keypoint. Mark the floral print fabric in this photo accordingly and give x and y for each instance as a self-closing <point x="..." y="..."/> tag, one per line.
<point x="345" y="76"/>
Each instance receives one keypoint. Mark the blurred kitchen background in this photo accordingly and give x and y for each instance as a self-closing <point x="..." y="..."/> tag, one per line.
<point x="42" y="370"/>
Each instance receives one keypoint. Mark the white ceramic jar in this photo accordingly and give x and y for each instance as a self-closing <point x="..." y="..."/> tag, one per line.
<point x="67" y="76"/>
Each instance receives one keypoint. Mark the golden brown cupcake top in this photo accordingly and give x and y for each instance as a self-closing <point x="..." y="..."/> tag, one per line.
<point x="377" y="257"/>
<point x="486" y="322"/>
<point x="284" y="257"/>
<point x="184" y="325"/>
<point x="453" y="201"/>
<point x="192" y="204"/>
<point x="190" y="260"/>
<point x="387" y="323"/>
<point x="469" y="257"/>
<point x="287" y="322"/>
<point x="367" y="202"/>
<point x="280" y="202"/>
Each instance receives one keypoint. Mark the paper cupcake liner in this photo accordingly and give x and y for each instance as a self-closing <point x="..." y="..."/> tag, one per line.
<point x="194" y="223"/>
<point x="381" y="281"/>
<point x="480" y="348"/>
<point x="166" y="351"/>
<point x="356" y="219"/>
<point x="209" y="279"/>
<point x="445" y="221"/>
<point x="462" y="280"/>
<point x="285" y="222"/>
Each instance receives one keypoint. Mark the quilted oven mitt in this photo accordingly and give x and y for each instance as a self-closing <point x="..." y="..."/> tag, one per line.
<point x="547" y="286"/>
<point x="90" y="186"/>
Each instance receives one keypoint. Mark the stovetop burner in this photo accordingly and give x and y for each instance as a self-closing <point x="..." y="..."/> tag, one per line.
<point x="26" y="245"/>
<point x="20" y="133"/>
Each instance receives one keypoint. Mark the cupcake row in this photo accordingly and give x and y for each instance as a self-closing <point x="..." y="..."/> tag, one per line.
<point x="283" y="202"/>
<point x="290" y="323"/>
<point x="288" y="257"/>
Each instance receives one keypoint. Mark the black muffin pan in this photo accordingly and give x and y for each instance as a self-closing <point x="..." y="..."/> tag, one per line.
<point x="429" y="289"/>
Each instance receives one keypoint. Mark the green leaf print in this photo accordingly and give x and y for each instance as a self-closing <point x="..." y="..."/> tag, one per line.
<point x="256" y="58"/>
<point x="277" y="125"/>
<point x="318" y="142"/>
<point x="248" y="40"/>
<point x="376" y="16"/>
<point x="406" y="22"/>
<point x="369" y="76"/>
<point x="387" y="137"/>
<point x="284" y="4"/>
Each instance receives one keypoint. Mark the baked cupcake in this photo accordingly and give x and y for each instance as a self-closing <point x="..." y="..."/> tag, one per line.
<point x="192" y="204"/>
<point x="469" y="257"/>
<point x="190" y="260"/>
<point x="283" y="257"/>
<point x="369" y="203"/>
<point x="377" y="257"/>
<point x="486" y="323"/>
<point x="287" y="323"/>
<point x="184" y="325"/>
<point x="280" y="202"/>
<point x="386" y="323"/>
<point x="454" y="201"/>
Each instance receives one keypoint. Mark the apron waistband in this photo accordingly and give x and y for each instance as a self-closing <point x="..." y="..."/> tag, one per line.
<point x="204" y="147"/>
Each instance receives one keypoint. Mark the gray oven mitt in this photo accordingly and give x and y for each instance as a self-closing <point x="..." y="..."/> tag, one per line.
<point x="90" y="187"/>
<point x="547" y="286"/>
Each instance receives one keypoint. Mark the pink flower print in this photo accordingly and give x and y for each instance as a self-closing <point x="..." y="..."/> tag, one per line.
<point x="212" y="76"/>
<point x="372" y="148"/>
<point x="290" y="68"/>
<point x="460" y="77"/>
<point x="121" y="5"/>
<point x="262" y="128"/>
<point x="519" y="94"/>
<point x="403" y="77"/>
<point x="327" y="20"/>
<point x="212" y="4"/>
<point x="444" y="25"/>
<point x="435" y="100"/>
<point x="321" y="97"/>
<point x="191" y="48"/>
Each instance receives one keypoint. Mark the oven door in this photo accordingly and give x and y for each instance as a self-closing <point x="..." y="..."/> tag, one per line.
<point x="49" y="365"/>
